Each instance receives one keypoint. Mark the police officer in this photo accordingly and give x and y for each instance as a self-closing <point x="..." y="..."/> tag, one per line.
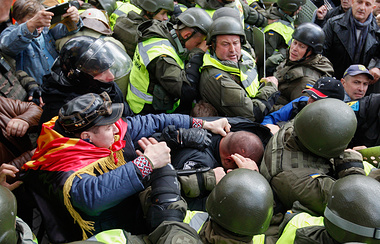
<point x="351" y="216"/>
<point x="229" y="79"/>
<point x="165" y="73"/>
<point x="304" y="64"/>
<point x="12" y="229"/>
<point x="297" y="158"/>
<point x="278" y="32"/>
<point x="248" y="14"/>
<point x="131" y="15"/>
<point x="239" y="209"/>
<point x="85" y="64"/>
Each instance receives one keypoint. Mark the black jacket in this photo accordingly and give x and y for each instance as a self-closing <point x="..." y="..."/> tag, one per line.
<point x="367" y="111"/>
<point x="338" y="46"/>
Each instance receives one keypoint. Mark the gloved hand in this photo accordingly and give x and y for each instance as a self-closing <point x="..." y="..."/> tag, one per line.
<point x="33" y="89"/>
<point x="194" y="138"/>
<point x="192" y="68"/>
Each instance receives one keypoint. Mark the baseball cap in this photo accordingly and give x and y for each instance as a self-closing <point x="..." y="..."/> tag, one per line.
<point x="89" y="110"/>
<point x="326" y="87"/>
<point x="357" y="69"/>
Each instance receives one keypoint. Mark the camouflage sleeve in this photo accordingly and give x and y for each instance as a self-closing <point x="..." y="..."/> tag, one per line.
<point x="24" y="78"/>
<point x="174" y="232"/>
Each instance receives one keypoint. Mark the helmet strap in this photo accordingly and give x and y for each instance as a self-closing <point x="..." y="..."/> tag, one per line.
<point x="351" y="227"/>
<point x="180" y="45"/>
<point x="286" y="16"/>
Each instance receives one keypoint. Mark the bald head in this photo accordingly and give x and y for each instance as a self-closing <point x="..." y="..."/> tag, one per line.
<point x="244" y="143"/>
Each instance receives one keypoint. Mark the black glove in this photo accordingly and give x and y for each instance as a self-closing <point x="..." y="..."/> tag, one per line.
<point x="195" y="138"/>
<point x="33" y="89"/>
<point x="192" y="68"/>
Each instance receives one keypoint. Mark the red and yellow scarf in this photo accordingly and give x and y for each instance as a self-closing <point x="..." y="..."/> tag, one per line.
<point x="58" y="153"/>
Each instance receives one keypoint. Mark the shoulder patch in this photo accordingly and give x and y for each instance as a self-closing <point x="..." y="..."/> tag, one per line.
<point x="308" y="86"/>
<point x="354" y="105"/>
<point x="316" y="175"/>
<point x="218" y="76"/>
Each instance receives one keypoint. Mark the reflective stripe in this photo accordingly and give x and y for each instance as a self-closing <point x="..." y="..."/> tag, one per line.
<point x="146" y="97"/>
<point x="198" y="220"/>
<point x="143" y="49"/>
<point x="247" y="71"/>
<point x="195" y="219"/>
<point x="121" y="10"/>
<point x="119" y="13"/>
<point x="351" y="227"/>
<point x="146" y="51"/>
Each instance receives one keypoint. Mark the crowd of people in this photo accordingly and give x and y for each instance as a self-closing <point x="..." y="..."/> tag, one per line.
<point x="142" y="121"/>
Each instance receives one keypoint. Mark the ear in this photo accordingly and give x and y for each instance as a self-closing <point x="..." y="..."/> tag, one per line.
<point x="186" y="33"/>
<point x="84" y="135"/>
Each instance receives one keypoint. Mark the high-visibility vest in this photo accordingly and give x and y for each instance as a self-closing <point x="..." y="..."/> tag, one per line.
<point x="298" y="221"/>
<point x="122" y="8"/>
<point x="238" y="6"/>
<point x="196" y="220"/>
<point x="247" y="71"/>
<point x="146" y="51"/>
<point x="284" y="28"/>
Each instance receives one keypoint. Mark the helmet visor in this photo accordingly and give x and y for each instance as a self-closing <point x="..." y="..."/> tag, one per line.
<point x="106" y="61"/>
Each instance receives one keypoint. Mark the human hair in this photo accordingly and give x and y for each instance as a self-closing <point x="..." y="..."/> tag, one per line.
<point x="245" y="143"/>
<point x="23" y="8"/>
<point x="203" y="109"/>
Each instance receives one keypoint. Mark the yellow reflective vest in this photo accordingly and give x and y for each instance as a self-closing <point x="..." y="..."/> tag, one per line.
<point x="146" y="51"/>
<point x="122" y="8"/>
<point x="285" y="29"/>
<point x="247" y="71"/>
<point x="298" y="221"/>
<point x="196" y="220"/>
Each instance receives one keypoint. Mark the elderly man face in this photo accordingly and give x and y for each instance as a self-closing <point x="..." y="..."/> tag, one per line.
<point x="361" y="9"/>
<point x="228" y="47"/>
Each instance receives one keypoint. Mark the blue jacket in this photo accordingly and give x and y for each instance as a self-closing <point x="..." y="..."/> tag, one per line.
<point x="286" y="113"/>
<point x="110" y="199"/>
<point x="18" y="42"/>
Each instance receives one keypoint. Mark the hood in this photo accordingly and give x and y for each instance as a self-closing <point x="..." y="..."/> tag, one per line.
<point x="154" y="28"/>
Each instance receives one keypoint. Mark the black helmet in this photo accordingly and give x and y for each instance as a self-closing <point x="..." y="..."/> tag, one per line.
<point x="226" y="25"/>
<point x="88" y="110"/>
<point x="310" y="34"/>
<point x="242" y="202"/>
<point x="155" y="5"/>
<point x="196" y="18"/>
<point x="8" y="212"/>
<point x="352" y="214"/>
<point x="325" y="127"/>
<point x="290" y="5"/>
<point x="91" y="56"/>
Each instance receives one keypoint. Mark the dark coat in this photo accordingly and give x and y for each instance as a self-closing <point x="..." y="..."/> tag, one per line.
<point x="339" y="45"/>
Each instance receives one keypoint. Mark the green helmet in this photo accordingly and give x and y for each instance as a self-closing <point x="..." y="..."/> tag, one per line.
<point x="290" y="5"/>
<point x="242" y="202"/>
<point x="353" y="213"/>
<point x="196" y="18"/>
<point x="310" y="34"/>
<point x="226" y="25"/>
<point x="8" y="212"/>
<point x="154" y="5"/>
<point x="108" y="5"/>
<point x="325" y="127"/>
